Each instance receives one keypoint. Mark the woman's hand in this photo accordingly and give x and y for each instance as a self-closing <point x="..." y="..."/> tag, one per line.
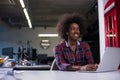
<point x="89" y="67"/>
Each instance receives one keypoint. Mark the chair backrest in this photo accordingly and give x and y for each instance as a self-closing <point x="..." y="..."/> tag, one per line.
<point x="54" y="66"/>
<point x="42" y="59"/>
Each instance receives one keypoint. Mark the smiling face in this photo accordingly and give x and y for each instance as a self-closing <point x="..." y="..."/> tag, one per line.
<point x="74" y="31"/>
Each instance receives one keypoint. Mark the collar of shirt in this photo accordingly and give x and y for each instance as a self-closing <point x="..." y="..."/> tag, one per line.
<point x="67" y="44"/>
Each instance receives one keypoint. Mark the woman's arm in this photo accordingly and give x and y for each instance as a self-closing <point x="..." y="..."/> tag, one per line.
<point x="60" y="60"/>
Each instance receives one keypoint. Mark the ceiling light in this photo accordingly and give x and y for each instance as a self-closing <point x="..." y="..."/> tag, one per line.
<point x="47" y="35"/>
<point x="22" y="3"/>
<point x="26" y="13"/>
<point x="29" y="23"/>
<point x="27" y="17"/>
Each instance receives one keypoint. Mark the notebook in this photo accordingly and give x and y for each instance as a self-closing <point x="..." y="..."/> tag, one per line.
<point x="110" y="60"/>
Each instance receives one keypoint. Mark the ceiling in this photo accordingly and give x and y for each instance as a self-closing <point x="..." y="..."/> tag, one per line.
<point x="45" y="13"/>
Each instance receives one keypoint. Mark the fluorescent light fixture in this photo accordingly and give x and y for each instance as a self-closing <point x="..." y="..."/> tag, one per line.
<point x="26" y="13"/>
<point x="22" y="3"/>
<point x="47" y="35"/>
<point x="29" y="23"/>
<point x="27" y="17"/>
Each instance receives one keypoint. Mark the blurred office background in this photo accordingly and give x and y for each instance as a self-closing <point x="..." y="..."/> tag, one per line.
<point x="16" y="34"/>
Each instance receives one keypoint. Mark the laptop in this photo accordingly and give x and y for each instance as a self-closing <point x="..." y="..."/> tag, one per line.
<point x="110" y="60"/>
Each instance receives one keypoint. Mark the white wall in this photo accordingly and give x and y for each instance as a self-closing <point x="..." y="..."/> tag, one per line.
<point x="11" y="37"/>
<point x="101" y="4"/>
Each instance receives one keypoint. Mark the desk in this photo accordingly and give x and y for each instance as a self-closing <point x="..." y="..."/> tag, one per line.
<point x="63" y="75"/>
<point x="36" y="67"/>
<point x="4" y="72"/>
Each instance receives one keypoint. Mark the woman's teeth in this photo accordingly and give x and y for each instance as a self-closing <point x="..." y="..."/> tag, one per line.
<point x="76" y="35"/>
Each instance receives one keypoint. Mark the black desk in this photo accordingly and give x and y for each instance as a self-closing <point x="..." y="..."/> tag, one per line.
<point x="36" y="67"/>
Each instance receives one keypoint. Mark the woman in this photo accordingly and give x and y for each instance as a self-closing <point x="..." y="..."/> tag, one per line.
<point x="71" y="54"/>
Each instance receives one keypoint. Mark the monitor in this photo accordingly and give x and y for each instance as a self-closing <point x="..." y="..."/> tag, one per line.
<point x="7" y="52"/>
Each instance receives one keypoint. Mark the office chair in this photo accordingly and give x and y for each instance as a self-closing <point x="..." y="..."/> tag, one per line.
<point x="42" y="59"/>
<point x="54" y="66"/>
